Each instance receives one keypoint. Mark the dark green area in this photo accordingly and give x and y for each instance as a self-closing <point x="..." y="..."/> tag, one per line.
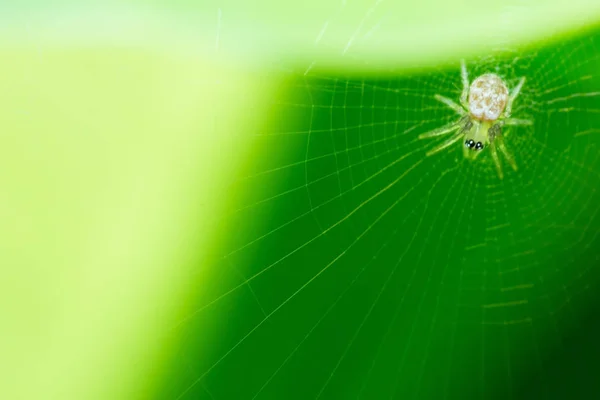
<point x="356" y="267"/>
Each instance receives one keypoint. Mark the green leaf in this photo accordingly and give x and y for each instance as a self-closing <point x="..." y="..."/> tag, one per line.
<point x="356" y="266"/>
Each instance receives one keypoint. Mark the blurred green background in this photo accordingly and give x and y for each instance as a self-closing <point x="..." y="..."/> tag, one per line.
<point x="229" y="201"/>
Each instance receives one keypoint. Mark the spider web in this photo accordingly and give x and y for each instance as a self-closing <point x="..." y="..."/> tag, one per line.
<point x="356" y="267"/>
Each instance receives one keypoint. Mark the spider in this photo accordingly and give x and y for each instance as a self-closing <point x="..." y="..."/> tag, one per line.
<point x="485" y="108"/>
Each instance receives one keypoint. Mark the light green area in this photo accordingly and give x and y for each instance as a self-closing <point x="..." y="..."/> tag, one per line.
<point x="123" y="127"/>
<point x="374" y="35"/>
<point x="114" y="164"/>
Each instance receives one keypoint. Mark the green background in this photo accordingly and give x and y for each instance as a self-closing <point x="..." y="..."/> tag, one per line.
<point x="229" y="200"/>
<point x="354" y="267"/>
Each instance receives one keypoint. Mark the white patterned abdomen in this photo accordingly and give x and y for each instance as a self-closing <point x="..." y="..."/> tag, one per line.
<point x="487" y="97"/>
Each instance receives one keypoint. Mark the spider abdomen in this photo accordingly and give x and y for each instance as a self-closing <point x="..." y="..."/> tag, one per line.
<point x="488" y="96"/>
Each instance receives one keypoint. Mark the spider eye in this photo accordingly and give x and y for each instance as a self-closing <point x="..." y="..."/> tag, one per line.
<point x="470" y="143"/>
<point x="479" y="146"/>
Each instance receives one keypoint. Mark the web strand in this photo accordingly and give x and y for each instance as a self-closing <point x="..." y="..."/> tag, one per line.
<point x="408" y="259"/>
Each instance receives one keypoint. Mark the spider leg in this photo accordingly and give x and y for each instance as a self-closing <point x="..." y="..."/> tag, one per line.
<point x="495" y="131"/>
<point x="465" y="82"/>
<point x="516" y="121"/>
<point x="455" y="138"/>
<point x="506" y="154"/>
<point x="513" y="96"/>
<point x="496" y="160"/>
<point x="450" y="104"/>
<point x="452" y="126"/>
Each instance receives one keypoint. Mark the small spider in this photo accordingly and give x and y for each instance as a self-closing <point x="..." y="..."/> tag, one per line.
<point x="486" y="108"/>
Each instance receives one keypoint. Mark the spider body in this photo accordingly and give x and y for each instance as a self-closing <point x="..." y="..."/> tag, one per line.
<point x="488" y="96"/>
<point x="485" y="108"/>
<point x="476" y="138"/>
